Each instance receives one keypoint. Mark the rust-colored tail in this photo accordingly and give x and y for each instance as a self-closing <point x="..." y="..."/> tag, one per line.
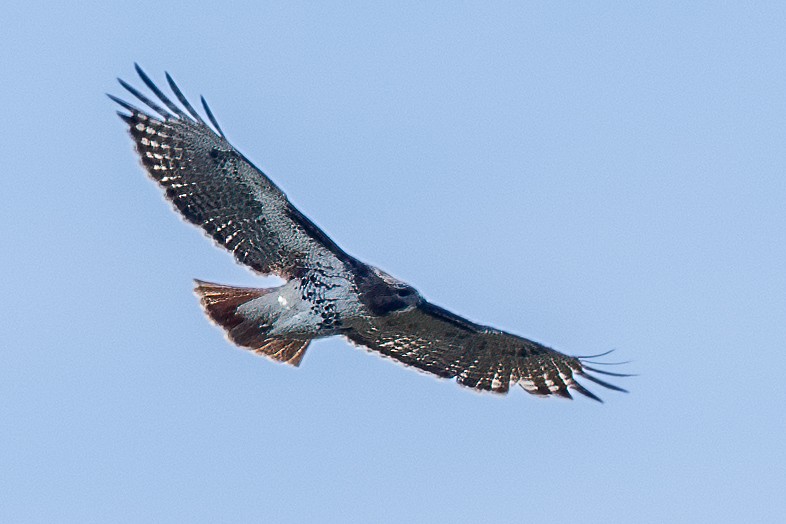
<point x="248" y="328"/>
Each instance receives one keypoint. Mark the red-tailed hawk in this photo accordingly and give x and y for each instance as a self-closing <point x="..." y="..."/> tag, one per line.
<point x="327" y="292"/>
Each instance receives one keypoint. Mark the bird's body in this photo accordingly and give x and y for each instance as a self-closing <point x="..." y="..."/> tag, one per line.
<point x="327" y="291"/>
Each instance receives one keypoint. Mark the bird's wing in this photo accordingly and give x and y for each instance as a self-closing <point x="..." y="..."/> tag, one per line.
<point x="439" y="342"/>
<point x="215" y="187"/>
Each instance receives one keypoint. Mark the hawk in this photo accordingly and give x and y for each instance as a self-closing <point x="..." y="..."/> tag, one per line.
<point x="327" y="291"/>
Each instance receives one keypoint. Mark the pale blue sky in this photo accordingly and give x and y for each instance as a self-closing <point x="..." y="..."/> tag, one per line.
<point x="592" y="176"/>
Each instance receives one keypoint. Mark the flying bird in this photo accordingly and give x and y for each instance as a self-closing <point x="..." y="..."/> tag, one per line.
<point x="327" y="291"/>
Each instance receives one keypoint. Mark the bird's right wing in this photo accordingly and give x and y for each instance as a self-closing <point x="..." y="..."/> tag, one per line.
<point x="215" y="187"/>
<point x="439" y="342"/>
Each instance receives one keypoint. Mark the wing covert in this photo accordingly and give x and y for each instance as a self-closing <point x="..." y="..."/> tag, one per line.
<point x="217" y="188"/>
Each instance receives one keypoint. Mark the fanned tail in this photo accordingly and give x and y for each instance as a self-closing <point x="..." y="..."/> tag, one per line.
<point x="246" y="327"/>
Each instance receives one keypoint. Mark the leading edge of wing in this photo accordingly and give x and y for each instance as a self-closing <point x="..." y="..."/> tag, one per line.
<point x="450" y="317"/>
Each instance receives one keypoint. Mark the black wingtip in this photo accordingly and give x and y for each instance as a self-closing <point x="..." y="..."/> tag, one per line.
<point x="170" y="110"/>
<point x="145" y="100"/>
<point x="596" y="356"/>
<point x="160" y="94"/>
<point x="620" y="363"/>
<point x="128" y="119"/>
<point x="122" y="103"/>
<point x="584" y="391"/>
<point x="585" y="369"/>
<point x="183" y="100"/>
<point x="603" y="383"/>
<point x="211" y="117"/>
<point x="141" y="72"/>
<point x="609" y="373"/>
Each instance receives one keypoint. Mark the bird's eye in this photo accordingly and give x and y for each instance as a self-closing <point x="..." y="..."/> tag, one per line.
<point x="404" y="292"/>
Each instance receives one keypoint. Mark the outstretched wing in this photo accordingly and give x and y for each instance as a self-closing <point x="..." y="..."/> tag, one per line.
<point x="439" y="342"/>
<point x="215" y="187"/>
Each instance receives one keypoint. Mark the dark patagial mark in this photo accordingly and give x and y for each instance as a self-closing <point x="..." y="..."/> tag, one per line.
<point x="451" y="318"/>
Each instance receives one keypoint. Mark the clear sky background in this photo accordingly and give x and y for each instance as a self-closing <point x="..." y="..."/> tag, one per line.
<point x="589" y="175"/>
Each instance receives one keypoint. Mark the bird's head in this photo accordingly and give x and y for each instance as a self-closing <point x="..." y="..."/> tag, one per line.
<point x="384" y="294"/>
<point x="397" y="290"/>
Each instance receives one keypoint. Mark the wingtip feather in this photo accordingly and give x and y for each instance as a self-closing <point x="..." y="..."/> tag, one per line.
<point x="160" y="94"/>
<point x="609" y="373"/>
<point x="182" y="98"/>
<point x="211" y="117"/>
<point x="584" y="391"/>
<point x="122" y="103"/>
<point x="603" y="383"/>
<point x="145" y="100"/>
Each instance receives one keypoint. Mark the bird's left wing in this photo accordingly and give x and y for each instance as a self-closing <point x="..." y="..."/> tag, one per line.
<point x="215" y="187"/>
<point x="439" y="342"/>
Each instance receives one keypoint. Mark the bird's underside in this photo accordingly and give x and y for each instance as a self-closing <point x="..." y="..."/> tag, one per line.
<point x="327" y="292"/>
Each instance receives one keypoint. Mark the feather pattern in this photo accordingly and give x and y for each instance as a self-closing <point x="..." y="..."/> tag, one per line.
<point x="328" y="292"/>
<point x="215" y="187"/>
<point x="434" y="340"/>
